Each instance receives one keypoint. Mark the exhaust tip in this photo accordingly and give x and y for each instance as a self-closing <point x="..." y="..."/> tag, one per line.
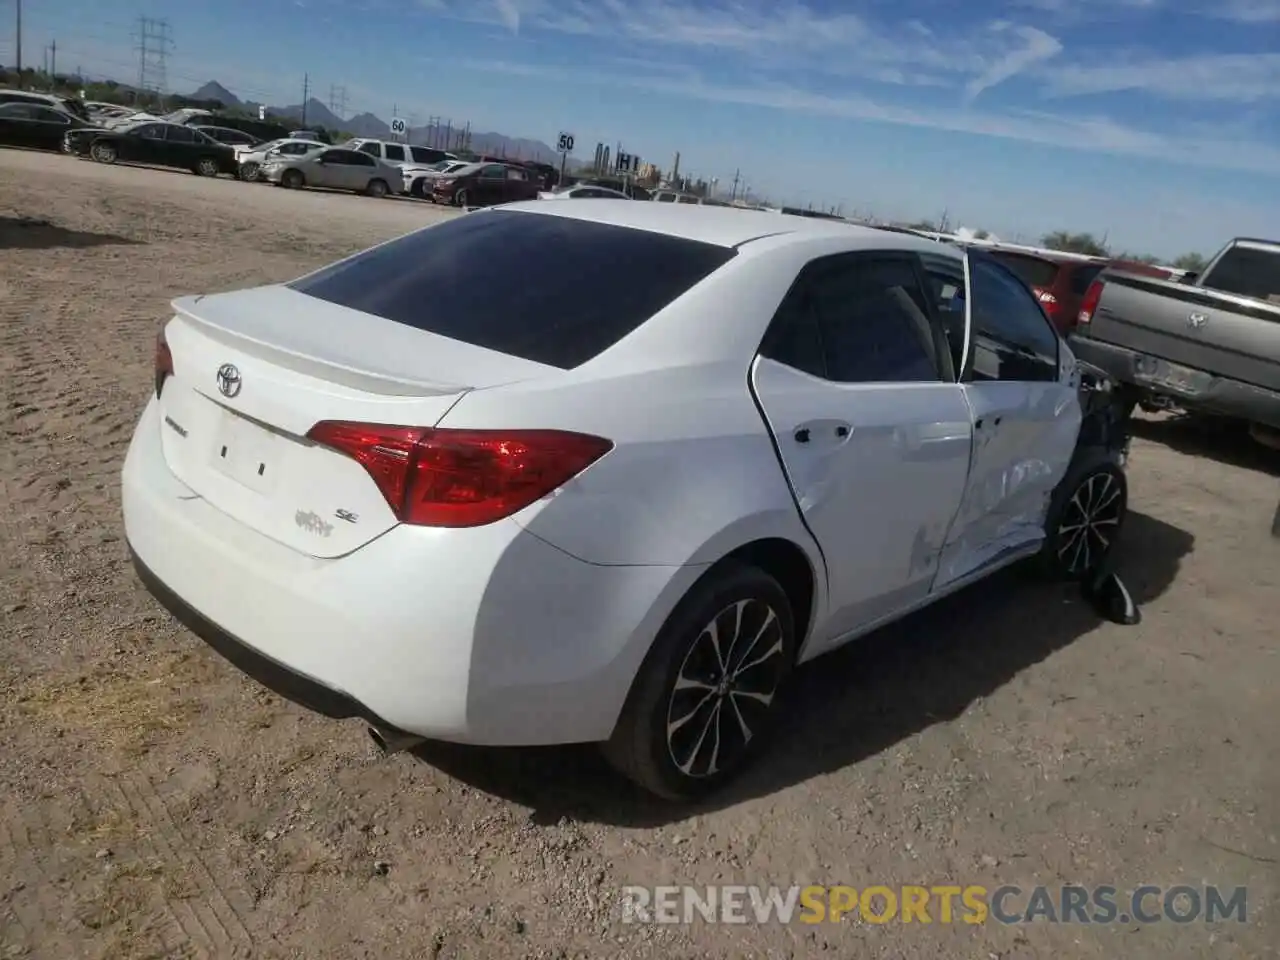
<point x="389" y="743"/>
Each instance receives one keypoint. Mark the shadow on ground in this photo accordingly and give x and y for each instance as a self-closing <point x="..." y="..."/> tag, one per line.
<point x="850" y="704"/>
<point x="27" y="233"/>
<point x="1226" y="441"/>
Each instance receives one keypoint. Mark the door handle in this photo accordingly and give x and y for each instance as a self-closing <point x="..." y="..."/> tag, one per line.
<point x="842" y="431"/>
<point x="802" y="435"/>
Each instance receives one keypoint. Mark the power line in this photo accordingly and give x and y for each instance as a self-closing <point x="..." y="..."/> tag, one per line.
<point x="154" y="44"/>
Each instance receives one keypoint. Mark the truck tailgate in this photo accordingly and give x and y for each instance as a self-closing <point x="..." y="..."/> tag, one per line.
<point x="1222" y="335"/>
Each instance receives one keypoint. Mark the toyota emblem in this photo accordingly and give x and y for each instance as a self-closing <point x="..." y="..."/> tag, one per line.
<point x="228" y="380"/>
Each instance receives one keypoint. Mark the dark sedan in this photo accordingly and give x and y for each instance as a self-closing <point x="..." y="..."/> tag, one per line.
<point x="33" y="125"/>
<point x="159" y="143"/>
<point x="484" y="184"/>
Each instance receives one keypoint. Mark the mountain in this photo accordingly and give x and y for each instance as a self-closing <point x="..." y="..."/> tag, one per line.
<point x="216" y="91"/>
<point x="373" y="126"/>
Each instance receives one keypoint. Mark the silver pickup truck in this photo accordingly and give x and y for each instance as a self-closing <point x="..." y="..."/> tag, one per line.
<point x="1211" y="345"/>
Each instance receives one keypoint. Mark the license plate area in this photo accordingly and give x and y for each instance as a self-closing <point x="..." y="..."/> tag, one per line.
<point x="246" y="452"/>
<point x="1171" y="376"/>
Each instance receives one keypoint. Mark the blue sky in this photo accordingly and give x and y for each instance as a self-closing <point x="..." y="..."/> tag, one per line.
<point x="1156" y="122"/>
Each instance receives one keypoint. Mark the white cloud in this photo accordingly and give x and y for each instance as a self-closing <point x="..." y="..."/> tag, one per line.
<point x="1230" y="77"/>
<point x="1246" y="11"/>
<point x="787" y="34"/>
<point x="1037" y="47"/>
<point x="1194" y="146"/>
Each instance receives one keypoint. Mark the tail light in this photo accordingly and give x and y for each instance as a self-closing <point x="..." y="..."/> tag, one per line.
<point x="164" y="360"/>
<point x="461" y="478"/>
<point x="1048" y="301"/>
<point x="1089" y="305"/>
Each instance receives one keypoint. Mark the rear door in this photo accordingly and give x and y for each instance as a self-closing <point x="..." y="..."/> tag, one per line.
<point x="184" y="146"/>
<point x="144" y="144"/>
<point x="873" y="431"/>
<point x="1026" y="417"/>
<point x="490" y="185"/>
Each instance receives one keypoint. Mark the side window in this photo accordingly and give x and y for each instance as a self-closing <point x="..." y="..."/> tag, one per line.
<point x="874" y="321"/>
<point x="494" y="171"/>
<point x="294" y="149"/>
<point x="395" y="151"/>
<point x="373" y="148"/>
<point x="152" y="131"/>
<point x="50" y="116"/>
<point x="176" y="134"/>
<point x="361" y="160"/>
<point x="337" y="157"/>
<point x="946" y="289"/>
<point x="793" y="337"/>
<point x="514" y="174"/>
<point x="16" y="110"/>
<point x="1012" y="338"/>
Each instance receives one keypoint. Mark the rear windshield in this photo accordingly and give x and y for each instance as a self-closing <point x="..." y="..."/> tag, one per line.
<point x="545" y="288"/>
<point x="1081" y="277"/>
<point x="1247" y="272"/>
<point x="1034" y="271"/>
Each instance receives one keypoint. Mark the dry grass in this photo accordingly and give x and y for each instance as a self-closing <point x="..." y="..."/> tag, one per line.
<point x="117" y="709"/>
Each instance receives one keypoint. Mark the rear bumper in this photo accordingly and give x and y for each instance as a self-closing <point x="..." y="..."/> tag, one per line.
<point x="486" y="636"/>
<point x="1221" y="395"/>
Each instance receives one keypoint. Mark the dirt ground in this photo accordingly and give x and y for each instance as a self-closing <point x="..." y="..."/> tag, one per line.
<point x="156" y="803"/>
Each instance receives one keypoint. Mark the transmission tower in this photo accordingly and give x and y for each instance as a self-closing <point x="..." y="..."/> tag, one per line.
<point x="154" y="45"/>
<point x="338" y="100"/>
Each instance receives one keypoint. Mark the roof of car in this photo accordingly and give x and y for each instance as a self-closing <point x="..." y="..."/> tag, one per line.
<point x="722" y="226"/>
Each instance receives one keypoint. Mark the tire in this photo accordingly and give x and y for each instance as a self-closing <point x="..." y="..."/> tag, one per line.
<point x="377" y="188"/>
<point x="103" y="153"/>
<point x="248" y="172"/>
<point x="1086" y="516"/>
<point x="460" y="198"/>
<point x="293" y="179"/>
<point x="682" y="682"/>
<point x="415" y="189"/>
<point x="207" y="167"/>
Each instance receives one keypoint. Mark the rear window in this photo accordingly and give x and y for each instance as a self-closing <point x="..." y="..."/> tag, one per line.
<point x="1081" y="277"/>
<point x="549" y="289"/>
<point x="1246" y="272"/>
<point x="1033" y="271"/>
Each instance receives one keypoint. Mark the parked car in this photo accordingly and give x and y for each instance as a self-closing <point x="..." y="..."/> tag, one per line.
<point x="1212" y="345"/>
<point x="251" y="159"/>
<point x="35" y="125"/>
<point x="228" y="135"/>
<point x="619" y="497"/>
<point x="306" y="135"/>
<point x="398" y="154"/>
<point x="417" y="176"/>
<point x="262" y="129"/>
<point x="160" y="144"/>
<point x="583" y="191"/>
<point x="1059" y="281"/>
<point x="71" y="105"/>
<point x="673" y="196"/>
<point x="334" y="167"/>
<point x="484" y="184"/>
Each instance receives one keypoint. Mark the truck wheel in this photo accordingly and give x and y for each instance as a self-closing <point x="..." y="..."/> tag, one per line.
<point x="460" y="199"/>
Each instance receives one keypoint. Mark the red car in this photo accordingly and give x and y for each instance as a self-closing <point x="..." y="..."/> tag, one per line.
<point x="484" y="184"/>
<point x="1061" y="281"/>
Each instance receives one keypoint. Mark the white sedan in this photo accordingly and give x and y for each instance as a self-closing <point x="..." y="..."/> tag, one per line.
<point x="619" y="498"/>
<point x="585" y="191"/>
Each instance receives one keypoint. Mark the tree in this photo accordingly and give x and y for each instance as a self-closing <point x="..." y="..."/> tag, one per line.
<point x="1074" y="243"/>
<point x="1191" y="262"/>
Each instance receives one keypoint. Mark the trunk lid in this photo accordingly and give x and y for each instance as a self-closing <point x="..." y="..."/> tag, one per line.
<point x="255" y="370"/>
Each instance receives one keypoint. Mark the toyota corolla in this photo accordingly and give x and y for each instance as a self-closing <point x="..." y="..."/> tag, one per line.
<point x="603" y="471"/>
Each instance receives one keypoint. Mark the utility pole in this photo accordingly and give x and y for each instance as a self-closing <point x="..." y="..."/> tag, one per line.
<point x="53" y="58"/>
<point x="737" y="176"/>
<point x="18" y="4"/>
<point x="306" y="94"/>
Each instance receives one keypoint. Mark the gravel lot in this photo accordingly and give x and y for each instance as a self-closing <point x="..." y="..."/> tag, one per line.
<point x="155" y="803"/>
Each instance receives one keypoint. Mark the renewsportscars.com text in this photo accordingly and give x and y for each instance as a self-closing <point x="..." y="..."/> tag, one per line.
<point x="943" y="903"/>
